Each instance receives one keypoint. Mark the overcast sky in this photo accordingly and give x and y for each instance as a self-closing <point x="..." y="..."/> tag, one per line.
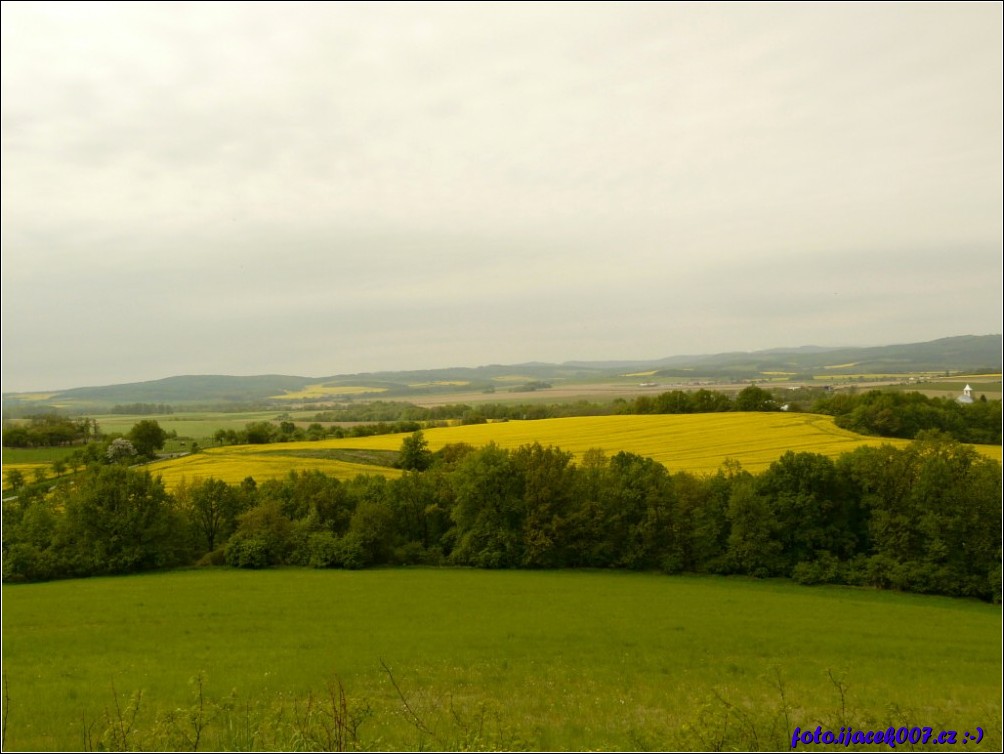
<point x="334" y="188"/>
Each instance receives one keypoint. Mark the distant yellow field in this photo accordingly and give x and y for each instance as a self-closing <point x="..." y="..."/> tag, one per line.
<point x="35" y="396"/>
<point x="316" y="392"/>
<point x="440" y="383"/>
<point x="698" y="443"/>
<point x="28" y="469"/>
<point x="234" y="464"/>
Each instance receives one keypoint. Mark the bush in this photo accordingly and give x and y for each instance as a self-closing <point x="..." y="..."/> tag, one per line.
<point x="324" y="550"/>
<point x="26" y="562"/>
<point x="248" y="553"/>
<point x="217" y="557"/>
<point x="328" y="551"/>
<point x="825" y="569"/>
<point x="413" y="553"/>
<point x="351" y="552"/>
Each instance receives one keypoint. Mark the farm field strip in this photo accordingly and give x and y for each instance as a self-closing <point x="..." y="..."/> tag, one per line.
<point x="235" y="467"/>
<point x="316" y="392"/>
<point x="26" y="468"/>
<point x="697" y="443"/>
<point x="198" y="426"/>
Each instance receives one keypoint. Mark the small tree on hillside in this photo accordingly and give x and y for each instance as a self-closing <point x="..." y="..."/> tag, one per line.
<point x="147" y="437"/>
<point x="15" y="479"/>
<point x="755" y="398"/>
<point x="415" y="454"/>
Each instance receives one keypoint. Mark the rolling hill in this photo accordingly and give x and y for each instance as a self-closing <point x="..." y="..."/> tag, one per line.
<point x="968" y="353"/>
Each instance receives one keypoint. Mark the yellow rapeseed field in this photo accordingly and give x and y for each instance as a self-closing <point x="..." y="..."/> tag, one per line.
<point x="698" y="443"/>
<point x="317" y="392"/>
<point x="28" y="469"/>
<point x="234" y="464"/>
<point x="36" y="396"/>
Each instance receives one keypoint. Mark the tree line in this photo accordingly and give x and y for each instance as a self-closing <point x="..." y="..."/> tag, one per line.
<point x="924" y="518"/>
<point x="141" y="409"/>
<point x="48" y="430"/>
<point x="895" y="414"/>
<point x="264" y="432"/>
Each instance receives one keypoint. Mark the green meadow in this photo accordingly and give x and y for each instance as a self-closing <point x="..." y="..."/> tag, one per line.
<point x="198" y="425"/>
<point x="458" y="658"/>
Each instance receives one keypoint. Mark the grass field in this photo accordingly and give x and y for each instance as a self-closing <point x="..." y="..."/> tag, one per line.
<point x="545" y="660"/>
<point x="982" y="385"/>
<point x="36" y="455"/>
<point x="697" y="443"/>
<point x="197" y="425"/>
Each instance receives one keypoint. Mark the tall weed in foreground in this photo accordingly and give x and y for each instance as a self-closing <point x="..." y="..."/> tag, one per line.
<point x="728" y="719"/>
<point x="326" y="721"/>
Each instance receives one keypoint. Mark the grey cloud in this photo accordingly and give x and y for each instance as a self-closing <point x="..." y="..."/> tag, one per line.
<point x="491" y="179"/>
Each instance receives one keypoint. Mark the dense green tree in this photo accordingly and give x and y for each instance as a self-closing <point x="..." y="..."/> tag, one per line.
<point x="640" y="514"/>
<point x="702" y="520"/>
<point x="15" y="479"/>
<point x="372" y="528"/>
<point x="674" y="402"/>
<point x="259" y="433"/>
<point x="421" y="503"/>
<point x="117" y="520"/>
<point x="755" y="398"/>
<point x="310" y="495"/>
<point x="48" y="430"/>
<point x="213" y="507"/>
<point x="589" y="543"/>
<point x="28" y="529"/>
<point x="488" y="512"/>
<point x="934" y="511"/>
<point x="264" y="537"/>
<point x="708" y="401"/>
<point x="753" y="546"/>
<point x="548" y="490"/>
<point x="147" y="436"/>
<point x="905" y="414"/>
<point x="812" y="508"/>
<point x="414" y="454"/>
<point x="451" y="454"/>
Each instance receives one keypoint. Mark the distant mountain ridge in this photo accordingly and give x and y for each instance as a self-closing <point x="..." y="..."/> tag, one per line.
<point x="958" y="354"/>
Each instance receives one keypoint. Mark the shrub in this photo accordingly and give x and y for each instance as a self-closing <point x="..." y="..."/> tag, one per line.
<point x="248" y="553"/>
<point x="217" y="557"/>
<point x="324" y="550"/>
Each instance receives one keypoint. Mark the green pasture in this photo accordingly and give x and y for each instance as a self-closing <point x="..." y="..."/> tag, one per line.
<point x="37" y="455"/>
<point x="489" y="659"/>
<point x="198" y="425"/>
